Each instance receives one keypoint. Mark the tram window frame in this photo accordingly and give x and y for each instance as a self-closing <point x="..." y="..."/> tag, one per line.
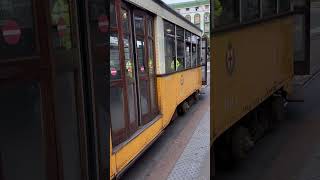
<point x="198" y="61"/>
<point x="193" y="51"/>
<point x="282" y="8"/>
<point x="269" y="7"/>
<point x="180" y="37"/>
<point x="248" y="21"/>
<point x="121" y="134"/>
<point x="169" y="38"/>
<point x="246" y="14"/>
<point x="152" y="74"/>
<point x="226" y="16"/>
<point x="188" y="45"/>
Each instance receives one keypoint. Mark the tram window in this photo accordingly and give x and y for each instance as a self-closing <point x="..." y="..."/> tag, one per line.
<point x="141" y="55"/>
<point x="22" y="149"/>
<point x="180" y="49"/>
<point x="170" y="52"/>
<point x="114" y="57"/>
<point x="113" y="17"/>
<point x="139" y="24"/>
<point x="226" y="12"/>
<point x="61" y="27"/>
<point x="17" y="36"/>
<point x="97" y="15"/>
<point x="194" y="51"/>
<point x="250" y="9"/>
<point x="269" y="7"/>
<point x="198" y="51"/>
<point x="188" y="49"/>
<point x="284" y="5"/>
<point x="144" y="97"/>
<point x="153" y="87"/>
<point x="130" y="74"/>
<point x="117" y="114"/>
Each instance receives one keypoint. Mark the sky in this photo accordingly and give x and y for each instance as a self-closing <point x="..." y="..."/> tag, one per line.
<point x="175" y="1"/>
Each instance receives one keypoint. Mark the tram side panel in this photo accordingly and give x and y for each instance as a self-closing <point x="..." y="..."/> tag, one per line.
<point x="248" y="66"/>
<point x="175" y="88"/>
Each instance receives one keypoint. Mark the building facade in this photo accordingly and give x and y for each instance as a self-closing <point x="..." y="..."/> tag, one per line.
<point x="196" y="11"/>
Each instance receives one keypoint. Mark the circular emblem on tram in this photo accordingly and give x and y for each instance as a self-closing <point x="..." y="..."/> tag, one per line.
<point x="230" y="59"/>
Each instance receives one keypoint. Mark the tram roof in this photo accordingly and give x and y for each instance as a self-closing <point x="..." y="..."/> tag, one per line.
<point x="159" y="11"/>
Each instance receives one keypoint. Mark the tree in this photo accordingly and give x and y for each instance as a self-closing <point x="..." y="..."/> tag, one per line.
<point x="217" y="8"/>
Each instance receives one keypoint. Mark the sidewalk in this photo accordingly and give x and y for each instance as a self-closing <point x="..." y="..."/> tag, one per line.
<point x="194" y="162"/>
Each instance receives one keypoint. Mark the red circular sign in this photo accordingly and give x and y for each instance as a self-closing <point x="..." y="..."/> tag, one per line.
<point x="61" y="27"/>
<point x="113" y="71"/>
<point x="142" y="68"/>
<point x="103" y="23"/>
<point x="11" y="32"/>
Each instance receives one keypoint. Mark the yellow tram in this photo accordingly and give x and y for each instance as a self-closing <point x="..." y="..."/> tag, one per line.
<point x="155" y="66"/>
<point x="251" y="72"/>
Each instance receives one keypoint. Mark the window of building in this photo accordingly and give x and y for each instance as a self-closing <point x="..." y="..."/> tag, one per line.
<point x="188" y="17"/>
<point x="170" y="47"/>
<point x="207" y="6"/>
<point x="207" y="27"/>
<point x="250" y="9"/>
<point x="178" y="10"/>
<point x="196" y="8"/>
<point x="180" y="49"/>
<point x="226" y="12"/>
<point x="269" y="7"/>
<point x="206" y="17"/>
<point x="187" y="9"/>
<point x="188" y="48"/>
<point x="197" y="20"/>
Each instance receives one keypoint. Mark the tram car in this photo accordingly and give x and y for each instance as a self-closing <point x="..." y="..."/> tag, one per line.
<point x="251" y="73"/>
<point x="156" y="71"/>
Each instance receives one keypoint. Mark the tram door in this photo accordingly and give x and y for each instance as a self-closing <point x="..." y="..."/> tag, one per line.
<point x="144" y="59"/>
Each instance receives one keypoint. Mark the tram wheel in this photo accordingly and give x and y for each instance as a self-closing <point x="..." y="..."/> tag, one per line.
<point x="241" y="142"/>
<point x="197" y="96"/>
<point x="183" y="108"/>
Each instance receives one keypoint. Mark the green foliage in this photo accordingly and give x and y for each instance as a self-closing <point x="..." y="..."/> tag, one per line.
<point x="217" y="8"/>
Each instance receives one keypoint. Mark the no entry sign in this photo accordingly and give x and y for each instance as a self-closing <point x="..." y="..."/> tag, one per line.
<point x="61" y="26"/>
<point x="11" y="32"/>
<point x="113" y="71"/>
<point x="103" y="23"/>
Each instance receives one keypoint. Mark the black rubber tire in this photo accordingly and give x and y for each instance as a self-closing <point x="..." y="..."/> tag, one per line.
<point x="196" y="96"/>
<point x="241" y="143"/>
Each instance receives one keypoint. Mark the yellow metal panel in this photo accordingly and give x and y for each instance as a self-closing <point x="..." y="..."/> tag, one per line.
<point x="263" y="63"/>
